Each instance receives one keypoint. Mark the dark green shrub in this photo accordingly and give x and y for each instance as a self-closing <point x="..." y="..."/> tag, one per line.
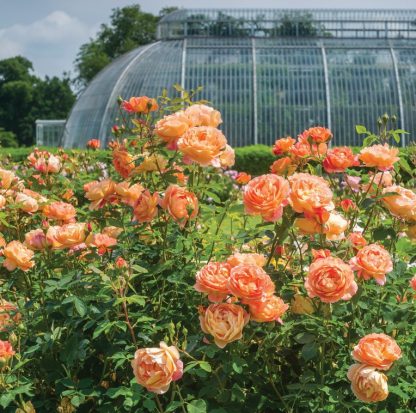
<point x="254" y="159"/>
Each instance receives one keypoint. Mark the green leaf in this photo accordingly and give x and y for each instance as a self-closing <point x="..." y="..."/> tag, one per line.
<point x="360" y="129"/>
<point x="197" y="406"/>
<point x="303" y="338"/>
<point x="80" y="306"/>
<point x="309" y="351"/>
<point x="205" y="366"/>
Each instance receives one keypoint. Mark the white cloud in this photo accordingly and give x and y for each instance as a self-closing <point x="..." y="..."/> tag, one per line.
<point x="51" y="43"/>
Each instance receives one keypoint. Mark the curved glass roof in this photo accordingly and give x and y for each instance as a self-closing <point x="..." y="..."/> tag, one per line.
<point x="265" y="87"/>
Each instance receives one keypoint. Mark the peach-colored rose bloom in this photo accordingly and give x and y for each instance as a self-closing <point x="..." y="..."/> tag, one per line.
<point x="9" y="314"/>
<point x="35" y="195"/>
<point x="151" y="163"/>
<point x="60" y="211"/>
<point x="381" y="157"/>
<point x="66" y="236"/>
<point x="372" y="261"/>
<point x="26" y="203"/>
<point x="100" y="193"/>
<point x="224" y="321"/>
<point x="202" y="144"/>
<point x="36" y="240"/>
<point x="112" y="231"/>
<point x="339" y="159"/>
<point x="180" y="203"/>
<point x="250" y="283"/>
<point x="368" y="384"/>
<point x="301" y="305"/>
<point x="413" y="283"/>
<point x="129" y="194"/>
<point x="318" y="254"/>
<point x="283" y="166"/>
<point x="266" y="196"/>
<point x="283" y="145"/>
<point x="145" y="208"/>
<point x="203" y="115"/>
<point x="102" y="242"/>
<point x="123" y="161"/>
<point x="17" y="256"/>
<point x="318" y="134"/>
<point x="402" y="205"/>
<point x="226" y="159"/>
<point x="335" y="226"/>
<point x="93" y="144"/>
<point x="7" y="179"/>
<point x="156" y="367"/>
<point x="357" y="240"/>
<point x="141" y="104"/>
<point x="377" y="350"/>
<point x="212" y="279"/>
<point x="310" y="194"/>
<point x="247" y="259"/>
<point x="308" y="226"/>
<point x="270" y="310"/>
<point x="243" y="178"/>
<point x="45" y="162"/>
<point x="303" y="149"/>
<point x="6" y="351"/>
<point x="172" y="127"/>
<point x="331" y="280"/>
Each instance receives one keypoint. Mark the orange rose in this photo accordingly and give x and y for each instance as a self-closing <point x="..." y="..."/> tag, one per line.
<point x="318" y="134"/>
<point x="26" y="203"/>
<point x="225" y="322"/>
<point x="348" y="205"/>
<point x="339" y="159"/>
<point x="402" y="205"/>
<point x="6" y="351"/>
<point x="270" y="310"/>
<point x="66" y="236"/>
<point x="202" y="115"/>
<point x="413" y="283"/>
<point x="310" y="194"/>
<point x="60" y="211"/>
<point x="17" y="256"/>
<point x="102" y="242"/>
<point x="129" y="194"/>
<point x="335" y="226"/>
<point x="141" y="104"/>
<point x="250" y="283"/>
<point x="93" y="144"/>
<point x="357" y="240"/>
<point x="100" y="193"/>
<point x="180" y="203"/>
<point x="155" y="368"/>
<point x="283" y="166"/>
<point x="172" y="127"/>
<point x="248" y="258"/>
<point x="36" y="240"/>
<point x="123" y="161"/>
<point x="368" y="384"/>
<point x="283" y="145"/>
<point x="381" y="157"/>
<point x="202" y="144"/>
<point x="266" y="196"/>
<point x="372" y="261"/>
<point x="308" y="226"/>
<point x="212" y="279"/>
<point x="145" y="208"/>
<point x="9" y="314"/>
<point x="377" y="350"/>
<point x="331" y="280"/>
<point x="242" y="178"/>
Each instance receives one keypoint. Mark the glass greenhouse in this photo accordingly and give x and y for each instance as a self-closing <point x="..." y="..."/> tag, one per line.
<point x="270" y="72"/>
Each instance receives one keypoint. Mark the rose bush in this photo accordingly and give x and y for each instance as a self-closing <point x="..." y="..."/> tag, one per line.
<point x="160" y="280"/>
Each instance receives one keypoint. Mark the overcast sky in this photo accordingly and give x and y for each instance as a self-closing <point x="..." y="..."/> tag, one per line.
<point x="50" y="32"/>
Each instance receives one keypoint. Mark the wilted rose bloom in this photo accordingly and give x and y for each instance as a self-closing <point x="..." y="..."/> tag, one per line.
<point x="318" y="254"/>
<point x="172" y="127"/>
<point x="372" y="261"/>
<point x="348" y="205"/>
<point x="270" y="310"/>
<point x="212" y="279"/>
<point x="9" y="314"/>
<point x="402" y="205"/>
<point x="112" y="231"/>
<point x="318" y="134"/>
<point x="180" y="203"/>
<point x="381" y="157"/>
<point x="6" y="351"/>
<point x="243" y="178"/>
<point x="331" y="280"/>
<point x="413" y="283"/>
<point x="155" y="368"/>
<point x="60" y="211"/>
<point x="203" y="115"/>
<point x="151" y="163"/>
<point x="102" y="242"/>
<point x="411" y="232"/>
<point x="266" y="196"/>
<point x="145" y="208"/>
<point x="283" y="166"/>
<point x="310" y="194"/>
<point x="7" y="179"/>
<point x="283" y="145"/>
<point x="141" y="104"/>
<point x="129" y="194"/>
<point x="357" y="240"/>
<point x="301" y="305"/>
<point x="226" y="158"/>
<point x="36" y="240"/>
<point x="17" y="256"/>
<point x="246" y="258"/>
<point x="335" y="226"/>
<point x="225" y="322"/>
<point x="339" y="159"/>
<point x="352" y="182"/>
<point x="66" y="236"/>
<point x="93" y="144"/>
<point x="26" y="203"/>
<point x="250" y="283"/>
<point x="100" y="193"/>
<point x="308" y="226"/>
<point x="123" y="161"/>
<point x="377" y="350"/>
<point x="368" y="384"/>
